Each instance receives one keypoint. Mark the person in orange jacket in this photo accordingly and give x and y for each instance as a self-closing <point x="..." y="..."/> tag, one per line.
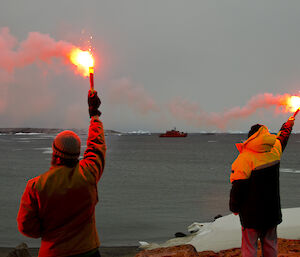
<point x="254" y="195"/>
<point x="59" y="205"/>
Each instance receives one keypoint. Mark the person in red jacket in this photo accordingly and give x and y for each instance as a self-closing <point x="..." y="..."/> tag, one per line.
<point x="59" y="205"/>
<point x="255" y="188"/>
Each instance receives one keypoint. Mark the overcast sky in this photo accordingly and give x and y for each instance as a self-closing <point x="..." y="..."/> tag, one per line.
<point x="160" y="63"/>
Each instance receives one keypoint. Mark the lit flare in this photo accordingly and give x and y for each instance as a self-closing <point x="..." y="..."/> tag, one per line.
<point x="83" y="60"/>
<point x="290" y="103"/>
<point x="294" y="103"/>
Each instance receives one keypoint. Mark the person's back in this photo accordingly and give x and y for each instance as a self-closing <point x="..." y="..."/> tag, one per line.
<point x="259" y="163"/>
<point x="59" y="205"/>
<point x="255" y="187"/>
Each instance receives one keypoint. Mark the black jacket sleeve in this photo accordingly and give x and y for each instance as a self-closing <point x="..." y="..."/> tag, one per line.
<point x="284" y="134"/>
<point x="238" y="194"/>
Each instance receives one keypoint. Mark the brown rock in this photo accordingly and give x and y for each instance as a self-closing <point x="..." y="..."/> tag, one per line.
<point x="20" y="251"/>
<point x="208" y="254"/>
<point x="174" y="251"/>
<point x="286" y="248"/>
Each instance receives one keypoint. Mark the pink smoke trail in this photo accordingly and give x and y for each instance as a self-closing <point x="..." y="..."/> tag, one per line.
<point x="37" y="47"/>
<point x="41" y="47"/>
<point x="192" y="114"/>
<point x="123" y="91"/>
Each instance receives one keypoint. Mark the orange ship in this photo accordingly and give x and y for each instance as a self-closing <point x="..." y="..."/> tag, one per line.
<point x="173" y="133"/>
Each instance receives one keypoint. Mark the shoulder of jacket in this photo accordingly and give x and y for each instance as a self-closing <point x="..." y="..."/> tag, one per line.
<point x="243" y="158"/>
<point x="32" y="182"/>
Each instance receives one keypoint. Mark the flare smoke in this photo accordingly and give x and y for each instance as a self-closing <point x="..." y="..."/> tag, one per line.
<point x="41" y="47"/>
<point x="123" y="91"/>
<point x="37" y="47"/>
<point x="192" y="114"/>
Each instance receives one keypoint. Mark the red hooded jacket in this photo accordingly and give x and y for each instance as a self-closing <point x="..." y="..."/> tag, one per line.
<point x="59" y="205"/>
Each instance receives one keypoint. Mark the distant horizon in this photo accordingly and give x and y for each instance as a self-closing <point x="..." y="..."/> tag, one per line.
<point x="137" y="131"/>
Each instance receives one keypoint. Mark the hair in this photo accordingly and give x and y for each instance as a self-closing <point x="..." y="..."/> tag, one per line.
<point x="254" y="129"/>
<point x="57" y="160"/>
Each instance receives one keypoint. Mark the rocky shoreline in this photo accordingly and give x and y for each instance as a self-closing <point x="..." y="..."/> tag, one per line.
<point x="286" y="248"/>
<point x="23" y="251"/>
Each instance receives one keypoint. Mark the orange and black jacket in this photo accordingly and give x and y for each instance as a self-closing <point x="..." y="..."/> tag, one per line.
<point x="59" y="205"/>
<point x="255" y="178"/>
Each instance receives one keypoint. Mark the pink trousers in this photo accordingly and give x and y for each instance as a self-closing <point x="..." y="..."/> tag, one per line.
<point x="268" y="239"/>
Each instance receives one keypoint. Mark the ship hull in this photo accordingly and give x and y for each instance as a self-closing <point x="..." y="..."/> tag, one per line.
<point x="164" y="135"/>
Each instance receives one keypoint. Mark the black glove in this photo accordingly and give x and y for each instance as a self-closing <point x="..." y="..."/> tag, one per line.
<point x="94" y="103"/>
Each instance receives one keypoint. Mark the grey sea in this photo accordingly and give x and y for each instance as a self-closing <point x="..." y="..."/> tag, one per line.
<point x="151" y="188"/>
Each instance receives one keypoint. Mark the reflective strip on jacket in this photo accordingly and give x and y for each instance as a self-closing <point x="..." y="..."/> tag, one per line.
<point x="59" y="205"/>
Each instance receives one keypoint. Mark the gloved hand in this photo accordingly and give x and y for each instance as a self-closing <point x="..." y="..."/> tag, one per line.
<point x="291" y="121"/>
<point x="94" y="103"/>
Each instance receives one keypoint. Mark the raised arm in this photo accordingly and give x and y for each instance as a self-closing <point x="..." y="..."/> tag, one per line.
<point x="285" y="131"/>
<point x="94" y="155"/>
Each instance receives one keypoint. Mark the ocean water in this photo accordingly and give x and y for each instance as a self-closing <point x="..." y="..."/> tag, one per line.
<point x="151" y="187"/>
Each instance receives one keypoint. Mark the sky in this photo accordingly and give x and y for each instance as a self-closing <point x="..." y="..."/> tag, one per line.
<point x="191" y="64"/>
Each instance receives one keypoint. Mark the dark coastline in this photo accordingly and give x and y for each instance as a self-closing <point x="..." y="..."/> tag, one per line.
<point x="106" y="251"/>
<point x="12" y="131"/>
<point x="286" y="247"/>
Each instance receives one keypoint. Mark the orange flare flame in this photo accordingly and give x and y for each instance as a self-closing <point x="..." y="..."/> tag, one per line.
<point x="291" y="103"/>
<point x="294" y="103"/>
<point x="83" y="60"/>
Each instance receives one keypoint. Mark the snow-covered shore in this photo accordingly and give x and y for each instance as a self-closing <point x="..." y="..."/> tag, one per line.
<point x="225" y="233"/>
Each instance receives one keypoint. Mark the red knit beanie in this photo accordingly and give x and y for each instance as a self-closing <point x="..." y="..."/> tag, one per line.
<point x="66" y="145"/>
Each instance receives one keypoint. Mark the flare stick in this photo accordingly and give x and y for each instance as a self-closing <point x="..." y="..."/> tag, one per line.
<point x="296" y="112"/>
<point x="91" y="70"/>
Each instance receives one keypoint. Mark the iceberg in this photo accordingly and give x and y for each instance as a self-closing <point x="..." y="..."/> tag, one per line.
<point x="139" y="132"/>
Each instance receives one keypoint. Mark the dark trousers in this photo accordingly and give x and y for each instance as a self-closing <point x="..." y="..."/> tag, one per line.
<point x="268" y="239"/>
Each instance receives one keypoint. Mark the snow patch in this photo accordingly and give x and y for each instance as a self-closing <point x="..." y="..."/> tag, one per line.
<point x="225" y="233"/>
